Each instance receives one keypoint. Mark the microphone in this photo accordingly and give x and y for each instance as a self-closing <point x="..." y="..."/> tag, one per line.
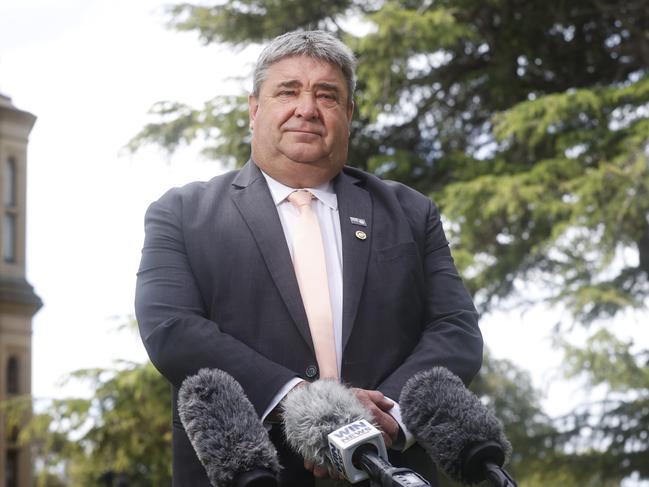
<point x="325" y="423"/>
<point x="225" y="431"/>
<point x="460" y="434"/>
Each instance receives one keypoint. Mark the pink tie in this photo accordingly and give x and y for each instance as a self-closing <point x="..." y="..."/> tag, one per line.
<point x="311" y="273"/>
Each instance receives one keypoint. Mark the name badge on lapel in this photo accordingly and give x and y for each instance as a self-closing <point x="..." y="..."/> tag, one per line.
<point x="358" y="221"/>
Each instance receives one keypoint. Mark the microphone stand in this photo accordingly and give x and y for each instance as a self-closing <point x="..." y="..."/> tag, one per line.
<point x="382" y="474"/>
<point x="260" y="477"/>
<point x="484" y="462"/>
<point x="498" y="476"/>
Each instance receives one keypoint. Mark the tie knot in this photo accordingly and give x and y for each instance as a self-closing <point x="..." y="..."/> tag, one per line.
<point x="301" y="198"/>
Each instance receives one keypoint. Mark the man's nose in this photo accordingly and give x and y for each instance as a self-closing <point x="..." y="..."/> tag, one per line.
<point x="307" y="107"/>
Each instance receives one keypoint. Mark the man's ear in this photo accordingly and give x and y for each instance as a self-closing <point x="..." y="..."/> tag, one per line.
<point x="350" y="111"/>
<point x="253" y="106"/>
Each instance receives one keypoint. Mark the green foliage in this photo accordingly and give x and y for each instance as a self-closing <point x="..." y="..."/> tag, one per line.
<point x="589" y="211"/>
<point x="244" y="21"/>
<point x="398" y="53"/>
<point x="125" y="428"/>
<point x="608" y="360"/>
<point x="221" y="125"/>
<point x="612" y="432"/>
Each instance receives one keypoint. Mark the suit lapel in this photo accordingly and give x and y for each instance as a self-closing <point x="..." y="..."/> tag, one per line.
<point x="253" y="200"/>
<point x="354" y="202"/>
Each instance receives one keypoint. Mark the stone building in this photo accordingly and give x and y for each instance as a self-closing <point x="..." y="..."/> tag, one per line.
<point x="18" y="302"/>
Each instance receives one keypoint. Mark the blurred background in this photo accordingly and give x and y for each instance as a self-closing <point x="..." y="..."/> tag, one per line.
<point x="527" y="122"/>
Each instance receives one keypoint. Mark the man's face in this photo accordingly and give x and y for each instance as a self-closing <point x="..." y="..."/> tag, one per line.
<point x="300" y="121"/>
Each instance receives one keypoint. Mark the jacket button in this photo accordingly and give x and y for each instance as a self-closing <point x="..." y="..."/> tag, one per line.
<point x="311" y="371"/>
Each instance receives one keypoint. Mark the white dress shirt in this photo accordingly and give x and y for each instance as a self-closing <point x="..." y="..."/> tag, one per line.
<point x="325" y="206"/>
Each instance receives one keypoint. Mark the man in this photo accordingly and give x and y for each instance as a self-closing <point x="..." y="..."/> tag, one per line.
<point x="217" y="286"/>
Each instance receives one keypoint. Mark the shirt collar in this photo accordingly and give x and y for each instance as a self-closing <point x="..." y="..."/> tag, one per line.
<point x="324" y="192"/>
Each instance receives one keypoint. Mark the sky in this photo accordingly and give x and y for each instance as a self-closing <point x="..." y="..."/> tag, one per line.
<point x="90" y="70"/>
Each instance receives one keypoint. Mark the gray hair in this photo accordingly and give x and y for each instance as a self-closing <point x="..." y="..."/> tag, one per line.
<point x="315" y="44"/>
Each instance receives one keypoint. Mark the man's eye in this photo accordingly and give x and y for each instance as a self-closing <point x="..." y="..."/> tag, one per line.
<point x="287" y="93"/>
<point x="328" y="96"/>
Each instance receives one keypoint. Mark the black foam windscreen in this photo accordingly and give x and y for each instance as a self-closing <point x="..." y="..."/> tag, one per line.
<point x="454" y="427"/>
<point x="225" y="431"/>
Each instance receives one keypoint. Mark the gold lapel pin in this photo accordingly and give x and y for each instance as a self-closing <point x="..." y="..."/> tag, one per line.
<point x="361" y="235"/>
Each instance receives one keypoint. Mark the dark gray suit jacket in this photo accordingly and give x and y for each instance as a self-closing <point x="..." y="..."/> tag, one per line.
<point x="216" y="289"/>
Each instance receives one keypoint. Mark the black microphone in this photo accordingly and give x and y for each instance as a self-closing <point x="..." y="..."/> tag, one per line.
<point x="461" y="435"/>
<point x="325" y="423"/>
<point x="225" y="431"/>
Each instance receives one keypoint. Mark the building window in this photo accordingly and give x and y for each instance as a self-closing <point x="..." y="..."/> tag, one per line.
<point x="13" y="376"/>
<point x="13" y="436"/>
<point x="11" y="468"/>
<point x="10" y="199"/>
<point x="9" y="237"/>
<point x="10" y="185"/>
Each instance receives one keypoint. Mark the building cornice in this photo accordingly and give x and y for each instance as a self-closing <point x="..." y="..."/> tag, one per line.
<point x="9" y="113"/>
<point x="17" y="293"/>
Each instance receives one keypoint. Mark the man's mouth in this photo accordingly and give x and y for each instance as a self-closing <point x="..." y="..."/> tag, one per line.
<point x="303" y="131"/>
